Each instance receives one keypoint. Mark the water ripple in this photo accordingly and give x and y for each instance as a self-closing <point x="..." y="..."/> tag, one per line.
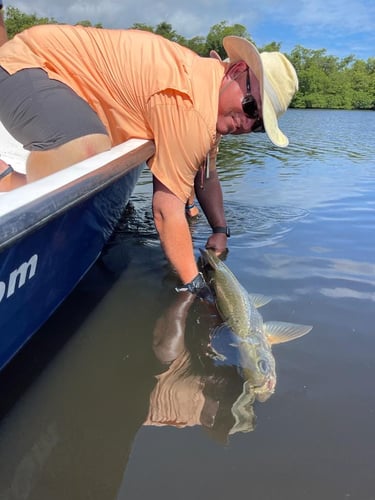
<point x="255" y="226"/>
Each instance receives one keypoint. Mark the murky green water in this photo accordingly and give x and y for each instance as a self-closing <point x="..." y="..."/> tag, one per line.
<point x="83" y="405"/>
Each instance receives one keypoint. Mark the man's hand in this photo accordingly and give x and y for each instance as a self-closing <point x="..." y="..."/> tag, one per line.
<point x="198" y="287"/>
<point x="218" y="243"/>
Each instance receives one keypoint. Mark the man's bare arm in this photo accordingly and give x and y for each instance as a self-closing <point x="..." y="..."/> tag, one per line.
<point x="174" y="232"/>
<point x="210" y="197"/>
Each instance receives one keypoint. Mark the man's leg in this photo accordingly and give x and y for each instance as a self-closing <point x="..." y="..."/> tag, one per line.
<point x="57" y="126"/>
<point x="42" y="163"/>
<point x="9" y="178"/>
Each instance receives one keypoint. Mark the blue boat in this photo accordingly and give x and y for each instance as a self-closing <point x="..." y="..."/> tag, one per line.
<point x="53" y="230"/>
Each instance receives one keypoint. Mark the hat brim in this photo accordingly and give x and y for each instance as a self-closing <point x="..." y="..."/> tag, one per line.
<point x="271" y="123"/>
<point x="240" y="49"/>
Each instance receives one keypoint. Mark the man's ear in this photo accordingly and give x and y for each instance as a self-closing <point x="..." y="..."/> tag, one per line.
<point x="235" y="68"/>
<point x="215" y="55"/>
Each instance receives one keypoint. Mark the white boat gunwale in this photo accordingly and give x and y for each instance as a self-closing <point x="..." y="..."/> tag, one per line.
<point x="33" y="205"/>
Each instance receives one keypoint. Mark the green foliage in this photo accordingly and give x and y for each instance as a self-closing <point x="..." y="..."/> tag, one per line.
<point x="198" y="45"/>
<point x="88" y="24"/>
<point x="362" y="77"/>
<point x="325" y="81"/>
<point x="17" y="21"/>
<point x="270" y="47"/>
<point x="165" y="29"/>
<point x="328" y="82"/>
<point x="219" y="31"/>
<point x="142" y="26"/>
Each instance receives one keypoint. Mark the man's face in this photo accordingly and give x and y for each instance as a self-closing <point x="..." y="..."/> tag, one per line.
<point x="231" y="117"/>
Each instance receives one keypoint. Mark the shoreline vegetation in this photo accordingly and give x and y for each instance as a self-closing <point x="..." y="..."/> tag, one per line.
<point x="325" y="81"/>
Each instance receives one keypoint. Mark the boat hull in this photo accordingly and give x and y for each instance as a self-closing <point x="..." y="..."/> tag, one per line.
<point x="40" y="267"/>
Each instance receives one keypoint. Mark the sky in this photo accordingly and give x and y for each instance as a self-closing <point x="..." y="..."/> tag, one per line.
<point x="342" y="27"/>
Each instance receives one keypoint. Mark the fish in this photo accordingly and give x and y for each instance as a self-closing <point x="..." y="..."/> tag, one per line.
<point x="244" y="339"/>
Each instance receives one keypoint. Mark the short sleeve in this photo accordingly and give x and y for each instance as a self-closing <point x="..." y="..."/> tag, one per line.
<point x="182" y="141"/>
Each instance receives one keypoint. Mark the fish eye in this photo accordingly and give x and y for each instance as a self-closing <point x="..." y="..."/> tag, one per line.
<point x="263" y="366"/>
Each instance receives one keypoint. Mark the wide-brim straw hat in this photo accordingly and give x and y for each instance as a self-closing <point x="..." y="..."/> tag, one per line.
<point x="277" y="80"/>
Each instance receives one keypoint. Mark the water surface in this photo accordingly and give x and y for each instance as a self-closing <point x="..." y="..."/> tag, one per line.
<point x="82" y="415"/>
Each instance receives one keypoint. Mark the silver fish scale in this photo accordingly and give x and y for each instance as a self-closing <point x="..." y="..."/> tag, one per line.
<point x="256" y="330"/>
<point x="254" y="360"/>
<point x="235" y="306"/>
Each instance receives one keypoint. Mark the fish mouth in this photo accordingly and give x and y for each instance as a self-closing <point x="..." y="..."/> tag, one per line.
<point x="266" y="390"/>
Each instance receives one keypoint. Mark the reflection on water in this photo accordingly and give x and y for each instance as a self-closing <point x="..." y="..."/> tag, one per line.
<point x="79" y="406"/>
<point x="192" y="390"/>
<point x="31" y="464"/>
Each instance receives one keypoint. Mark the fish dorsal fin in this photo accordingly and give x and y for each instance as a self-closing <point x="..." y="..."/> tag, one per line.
<point x="258" y="299"/>
<point x="279" y="331"/>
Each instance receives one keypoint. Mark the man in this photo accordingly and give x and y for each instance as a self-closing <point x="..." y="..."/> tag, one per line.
<point x="70" y="92"/>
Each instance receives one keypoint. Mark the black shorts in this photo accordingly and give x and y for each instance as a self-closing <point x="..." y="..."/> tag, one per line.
<point x="42" y="113"/>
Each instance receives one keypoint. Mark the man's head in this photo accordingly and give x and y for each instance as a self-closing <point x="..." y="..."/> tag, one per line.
<point x="256" y="90"/>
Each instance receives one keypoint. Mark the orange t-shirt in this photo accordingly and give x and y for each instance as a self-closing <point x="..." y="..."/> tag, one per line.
<point x="177" y="398"/>
<point x="140" y="85"/>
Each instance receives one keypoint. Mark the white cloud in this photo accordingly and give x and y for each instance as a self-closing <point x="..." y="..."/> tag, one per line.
<point x="347" y="293"/>
<point x="319" y="23"/>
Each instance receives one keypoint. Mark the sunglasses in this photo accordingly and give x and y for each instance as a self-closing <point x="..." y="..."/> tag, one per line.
<point x="250" y="107"/>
